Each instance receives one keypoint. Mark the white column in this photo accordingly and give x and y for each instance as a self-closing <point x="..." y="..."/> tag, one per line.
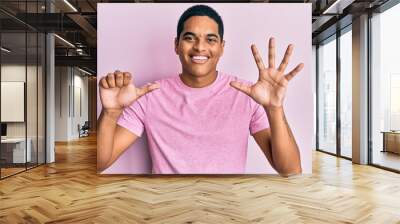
<point x="50" y="92"/>
<point x="360" y="90"/>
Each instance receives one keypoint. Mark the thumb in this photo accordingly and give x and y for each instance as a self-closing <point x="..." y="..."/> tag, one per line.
<point x="147" y="88"/>
<point x="241" y="87"/>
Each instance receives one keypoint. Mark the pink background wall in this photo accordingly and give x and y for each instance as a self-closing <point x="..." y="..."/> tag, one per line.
<point x="139" y="38"/>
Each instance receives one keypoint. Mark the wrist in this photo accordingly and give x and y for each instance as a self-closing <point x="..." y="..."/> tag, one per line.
<point x="112" y="112"/>
<point x="274" y="112"/>
<point x="273" y="109"/>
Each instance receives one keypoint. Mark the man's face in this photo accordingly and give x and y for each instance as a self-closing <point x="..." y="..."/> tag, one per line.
<point x="200" y="46"/>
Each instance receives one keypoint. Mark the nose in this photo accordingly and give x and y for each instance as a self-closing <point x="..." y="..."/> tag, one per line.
<point x="200" y="45"/>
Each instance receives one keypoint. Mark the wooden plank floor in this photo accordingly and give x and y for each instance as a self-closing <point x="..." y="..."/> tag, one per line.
<point x="70" y="191"/>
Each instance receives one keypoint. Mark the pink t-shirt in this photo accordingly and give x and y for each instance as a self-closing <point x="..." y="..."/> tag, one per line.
<point x="196" y="130"/>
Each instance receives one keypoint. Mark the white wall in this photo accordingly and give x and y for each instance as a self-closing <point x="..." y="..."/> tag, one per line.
<point x="81" y="102"/>
<point x="71" y="93"/>
<point x="15" y="72"/>
<point x="61" y="115"/>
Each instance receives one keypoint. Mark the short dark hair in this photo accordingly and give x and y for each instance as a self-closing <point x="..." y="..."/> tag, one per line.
<point x="200" y="10"/>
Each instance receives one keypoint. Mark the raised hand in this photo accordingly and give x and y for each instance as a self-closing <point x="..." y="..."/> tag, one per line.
<point x="117" y="90"/>
<point x="270" y="89"/>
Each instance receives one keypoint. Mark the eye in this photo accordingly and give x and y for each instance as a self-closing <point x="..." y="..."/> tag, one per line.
<point x="189" y="38"/>
<point x="213" y="40"/>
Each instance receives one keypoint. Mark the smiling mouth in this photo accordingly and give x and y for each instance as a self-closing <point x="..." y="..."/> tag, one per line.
<point x="199" y="59"/>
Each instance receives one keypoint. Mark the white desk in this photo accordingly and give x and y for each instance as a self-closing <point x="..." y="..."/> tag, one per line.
<point x="18" y="149"/>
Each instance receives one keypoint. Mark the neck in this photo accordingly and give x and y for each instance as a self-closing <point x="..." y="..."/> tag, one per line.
<point x="198" y="82"/>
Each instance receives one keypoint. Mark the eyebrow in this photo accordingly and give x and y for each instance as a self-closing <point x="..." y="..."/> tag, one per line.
<point x="213" y="35"/>
<point x="208" y="35"/>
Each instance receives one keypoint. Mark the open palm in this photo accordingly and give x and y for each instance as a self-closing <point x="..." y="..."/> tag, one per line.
<point x="270" y="89"/>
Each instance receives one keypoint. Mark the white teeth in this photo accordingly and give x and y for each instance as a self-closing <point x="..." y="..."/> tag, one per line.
<point x="199" y="57"/>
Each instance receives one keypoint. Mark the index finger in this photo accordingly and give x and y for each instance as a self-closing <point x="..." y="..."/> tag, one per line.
<point x="127" y="78"/>
<point x="294" y="72"/>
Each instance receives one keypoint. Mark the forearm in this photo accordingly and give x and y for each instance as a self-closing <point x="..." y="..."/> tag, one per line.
<point x="284" y="149"/>
<point x="107" y="124"/>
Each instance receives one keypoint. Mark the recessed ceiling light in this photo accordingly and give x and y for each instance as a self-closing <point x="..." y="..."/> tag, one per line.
<point x="84" y="71"/>
<point x="337" y="7"/>
<point x="70" y="5"/>
<point x="64" y="40"/>
<point x="5" y="50"/>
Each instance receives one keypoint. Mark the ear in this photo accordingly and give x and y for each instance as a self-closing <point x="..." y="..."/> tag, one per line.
<point x="222" y="47"/>
<point x="176" y="45"/>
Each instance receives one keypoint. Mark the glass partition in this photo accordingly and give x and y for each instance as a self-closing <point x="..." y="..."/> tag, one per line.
<point x="31" y="97"/>
<point x="13" y="95"/>
<point x="41" y="87"/>
<point x="22" y="78"/>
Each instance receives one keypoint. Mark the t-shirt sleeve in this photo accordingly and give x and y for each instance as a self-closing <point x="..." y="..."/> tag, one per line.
<point x="259" y="119"/>
<point x="133" y="117"/>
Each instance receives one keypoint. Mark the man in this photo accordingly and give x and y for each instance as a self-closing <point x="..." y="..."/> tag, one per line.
<point x="199" y="121"/>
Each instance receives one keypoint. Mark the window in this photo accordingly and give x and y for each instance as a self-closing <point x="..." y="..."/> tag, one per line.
<point x="385" y="89"/>
<point x="346" y="93"/>
<point x="327" y="96"/>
